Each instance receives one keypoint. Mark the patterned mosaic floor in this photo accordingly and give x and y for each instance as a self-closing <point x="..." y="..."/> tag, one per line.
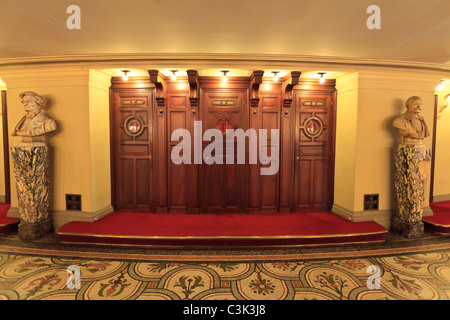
<point x="423" y="275"/>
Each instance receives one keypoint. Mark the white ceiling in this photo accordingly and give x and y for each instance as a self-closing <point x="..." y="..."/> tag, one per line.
<point x="411" y="30"/>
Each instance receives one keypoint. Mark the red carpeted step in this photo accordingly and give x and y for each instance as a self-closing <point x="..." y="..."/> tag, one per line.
<point x="5" y="222"/>
<point x="440" y="221"/>
<point x="221" y="229"/>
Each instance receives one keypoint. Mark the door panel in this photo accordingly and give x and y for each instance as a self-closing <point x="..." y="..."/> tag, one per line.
<point x="270" y="183"/>
<point x="177" y="113"/>
<point x="224" y="183"/>
<point x="304" y="184"/>
<point x="142" y="182"/>
<point x="183" y="179"/>
<point x="133" y="112"/>
<point x="313" y="142"/>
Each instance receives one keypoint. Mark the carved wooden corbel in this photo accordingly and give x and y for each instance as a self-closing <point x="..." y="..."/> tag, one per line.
<point x="193" y="91"/>
<point x="256" y="80"/>
<point x="288" y="92"/>
<point x="160" y="98"/>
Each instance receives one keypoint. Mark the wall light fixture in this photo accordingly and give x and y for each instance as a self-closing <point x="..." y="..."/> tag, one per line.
<point x="174" y="75"/>
<point x="275" y="75"/>
<point x="224" y="75"/>
<point x="322" y="77"/>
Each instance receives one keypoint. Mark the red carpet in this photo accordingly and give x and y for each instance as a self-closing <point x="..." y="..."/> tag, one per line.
<point x="5" y="222"/>
<point x="176" y="229"/>
<point x="440" y="221"/>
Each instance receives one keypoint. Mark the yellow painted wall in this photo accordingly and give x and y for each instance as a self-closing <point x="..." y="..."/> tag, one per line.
<point x="382" y="97"/>
<point x="78" y="100"/>
<point x="367" y="102"/>
<point x="68" y="104"/>
<point x="99" y="84"/>
<point x="346" y="129"/>
<point x="441" y="187"/>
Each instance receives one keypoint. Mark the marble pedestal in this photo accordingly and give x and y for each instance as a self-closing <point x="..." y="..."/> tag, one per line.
<point x="412" y="164"/>
<point x="32" y="184"/>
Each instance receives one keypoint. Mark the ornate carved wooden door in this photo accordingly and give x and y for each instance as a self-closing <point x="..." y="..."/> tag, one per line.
<point x="133" y="163"/>
<point x="313" y="139"/>
<point x="224" y="184"/>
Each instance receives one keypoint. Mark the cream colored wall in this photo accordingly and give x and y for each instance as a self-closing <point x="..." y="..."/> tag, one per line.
<point x="441" y="187"/>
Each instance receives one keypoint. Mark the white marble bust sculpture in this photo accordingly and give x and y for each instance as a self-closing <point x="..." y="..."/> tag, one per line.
<point x="34" y="123"/>
<point x="411" y="125"/>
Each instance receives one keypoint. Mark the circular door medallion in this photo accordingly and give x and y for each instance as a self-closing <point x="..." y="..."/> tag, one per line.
<point x="133" y="126"/>
<point x="313" y="127"/>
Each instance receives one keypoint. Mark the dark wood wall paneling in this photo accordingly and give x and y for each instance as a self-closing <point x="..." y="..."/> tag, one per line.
<point x="304" y="181"/>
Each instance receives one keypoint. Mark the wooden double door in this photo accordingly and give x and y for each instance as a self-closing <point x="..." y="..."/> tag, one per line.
<point x="144" y="178"/>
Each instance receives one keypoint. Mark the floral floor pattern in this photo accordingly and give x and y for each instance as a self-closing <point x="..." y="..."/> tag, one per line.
<point x="421" y="276"/>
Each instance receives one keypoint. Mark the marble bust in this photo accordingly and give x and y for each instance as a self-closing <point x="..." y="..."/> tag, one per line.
<point x="31" y="165"/>
<point x="34" y="123"/>
<point x="412" y="164"/>
<point x="411" y="125"/>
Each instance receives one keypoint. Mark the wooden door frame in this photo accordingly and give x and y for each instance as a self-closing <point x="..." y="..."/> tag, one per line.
<point x="6" y="165"/>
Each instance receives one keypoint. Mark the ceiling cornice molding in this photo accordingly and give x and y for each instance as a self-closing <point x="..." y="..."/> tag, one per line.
<point x="99" y="80"/>
<point x="348" y="82"/>
<point x="406" y="80"/>
<point x="41" y="76"/>
<point x="237" y="60"/>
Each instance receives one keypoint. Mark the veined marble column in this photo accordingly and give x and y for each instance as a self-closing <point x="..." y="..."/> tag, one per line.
<point x="31" y="162"/>
<point x="32" y="183"/>
<point x="412" y="164"/>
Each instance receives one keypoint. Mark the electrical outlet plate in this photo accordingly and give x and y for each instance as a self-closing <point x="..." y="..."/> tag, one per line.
<point x="371" y="201"/>
<point x="73" y="202"/>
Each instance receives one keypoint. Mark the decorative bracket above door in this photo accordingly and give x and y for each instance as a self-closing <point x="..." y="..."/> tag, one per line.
<point x="290" y="83"/>
<point x="255" y="80"/>
<point x="193" y="91"/>
<point x="160" y="98"/>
